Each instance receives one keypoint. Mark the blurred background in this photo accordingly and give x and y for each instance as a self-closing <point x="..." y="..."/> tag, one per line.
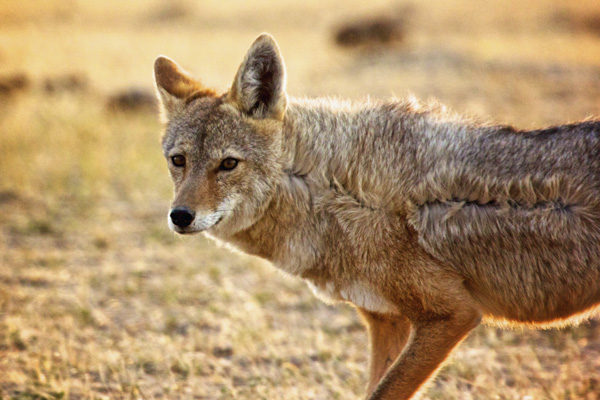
<point x="98" y="300"/>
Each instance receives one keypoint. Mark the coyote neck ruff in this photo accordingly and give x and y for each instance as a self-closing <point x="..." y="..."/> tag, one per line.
<point x="424" y="221"/>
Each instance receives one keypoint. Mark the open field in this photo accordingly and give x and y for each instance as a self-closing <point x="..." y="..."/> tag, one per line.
<point x="98" y="300"/>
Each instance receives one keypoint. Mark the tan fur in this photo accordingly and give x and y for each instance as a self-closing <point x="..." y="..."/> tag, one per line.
<point x="425" y="221"/>
<point x="175" y="87"/>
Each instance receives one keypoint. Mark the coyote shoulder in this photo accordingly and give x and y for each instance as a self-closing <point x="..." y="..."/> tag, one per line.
<point x="426" y="222"/>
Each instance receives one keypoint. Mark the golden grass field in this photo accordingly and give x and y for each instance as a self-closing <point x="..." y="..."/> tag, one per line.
<point x="98" y="300"/>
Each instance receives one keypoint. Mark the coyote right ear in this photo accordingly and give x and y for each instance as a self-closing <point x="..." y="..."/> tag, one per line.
<point x="258" y="89"/>
<point x="174" y="86"/>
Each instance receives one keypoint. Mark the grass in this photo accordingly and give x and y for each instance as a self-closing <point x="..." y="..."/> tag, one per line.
<point x="98" y="300"/>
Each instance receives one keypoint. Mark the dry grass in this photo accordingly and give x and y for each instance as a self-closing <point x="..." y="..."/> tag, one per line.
<point x="98" y="300"/>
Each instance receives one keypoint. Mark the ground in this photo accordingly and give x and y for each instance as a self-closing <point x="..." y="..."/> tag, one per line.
<point x="98" y="300"/>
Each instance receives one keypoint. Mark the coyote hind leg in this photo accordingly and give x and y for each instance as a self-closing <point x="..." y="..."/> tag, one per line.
<point x="388" y="335"/>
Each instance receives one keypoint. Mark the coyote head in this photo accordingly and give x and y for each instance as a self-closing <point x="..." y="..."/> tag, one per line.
<point x="224" y="150"/>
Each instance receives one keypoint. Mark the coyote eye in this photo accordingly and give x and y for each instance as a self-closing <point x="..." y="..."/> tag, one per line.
<point x="228" y="164"/>
<point x="178" y="160"/>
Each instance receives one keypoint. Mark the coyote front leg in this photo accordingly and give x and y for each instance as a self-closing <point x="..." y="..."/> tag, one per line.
<point x="388" y="335"/>
<point x="430" y="343"/>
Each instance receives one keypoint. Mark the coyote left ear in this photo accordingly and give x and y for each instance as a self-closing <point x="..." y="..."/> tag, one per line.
<point x="174" y="86"/>
<point x="258" y="89"/>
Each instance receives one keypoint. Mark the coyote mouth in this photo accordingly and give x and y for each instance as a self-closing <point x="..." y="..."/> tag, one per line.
<point x="186" y="231"/>
<point x="192" y="230"/>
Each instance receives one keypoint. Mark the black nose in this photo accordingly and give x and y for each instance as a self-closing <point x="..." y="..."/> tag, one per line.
<point x="182" y="216"/>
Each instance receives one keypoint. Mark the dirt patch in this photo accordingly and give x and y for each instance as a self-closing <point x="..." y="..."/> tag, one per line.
<point x="67" y="83"/>
<point x="14" y="83"/>
<point x="133" y="99"/>
<point x="371" y="32"/>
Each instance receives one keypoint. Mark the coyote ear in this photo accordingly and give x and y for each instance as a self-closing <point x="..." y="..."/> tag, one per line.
<point x="258" y="89"/>
<point x="174" y="86"/>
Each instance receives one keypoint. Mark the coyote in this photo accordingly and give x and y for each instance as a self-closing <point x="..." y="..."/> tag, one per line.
<point x="426" y="222"/>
